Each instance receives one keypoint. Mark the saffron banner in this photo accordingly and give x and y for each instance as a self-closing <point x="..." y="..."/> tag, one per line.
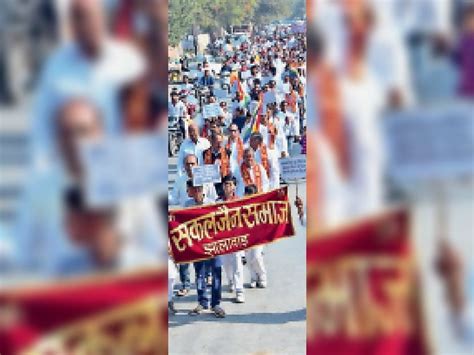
<point x="202" y="232"/>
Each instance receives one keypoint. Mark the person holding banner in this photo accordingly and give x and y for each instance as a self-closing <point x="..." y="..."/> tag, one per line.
<point x="232" y="262"/>
<point x="197" y="198"/>
<point x="251" y="173"/>
<point x="254" y="256"/>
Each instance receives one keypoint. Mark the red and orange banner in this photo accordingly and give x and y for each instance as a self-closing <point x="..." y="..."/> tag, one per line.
<point x="203" y="232"/>
<point x="362" y="293"/>
<point x="99" y="314"/>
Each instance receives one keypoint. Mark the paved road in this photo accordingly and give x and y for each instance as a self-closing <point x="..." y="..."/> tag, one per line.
<point x="271" y="321"/>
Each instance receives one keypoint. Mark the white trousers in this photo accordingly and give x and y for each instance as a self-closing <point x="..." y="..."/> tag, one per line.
<point x="234" y="269"/>
<point x="256" y="264"/>
<point x="171" y="278"/>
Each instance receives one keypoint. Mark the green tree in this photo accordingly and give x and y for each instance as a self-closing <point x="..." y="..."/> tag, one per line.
<point x="271" y="10"/>
<point x="180" y="19"/>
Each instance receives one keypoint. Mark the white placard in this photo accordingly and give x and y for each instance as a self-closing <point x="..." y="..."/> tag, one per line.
<point x="431" y="144"/>
<point x="293" y="168"/>
<point x="246" y="74"/>
<point x="211" y="110"/>
<point x="122" y="167"/>
<point x="221" y="93"/>
<point x="208" y="173"/>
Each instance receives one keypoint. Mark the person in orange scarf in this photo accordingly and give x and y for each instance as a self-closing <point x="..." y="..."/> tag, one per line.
<point x="217" y="154"/>
<point x="251" y="173"/>
<point x="267" y="158"/>
<point x="235" y="145"/>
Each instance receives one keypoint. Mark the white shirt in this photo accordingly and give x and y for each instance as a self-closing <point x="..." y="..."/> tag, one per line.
<point x="274" y="178"/>
<point x="189" y="147"/>
<point x="234" y="157"/>
<point x="68" y="74"/>
<point x="179" y="194"/>
<point x="176" y="110"/>
<point x="241" y="185"/>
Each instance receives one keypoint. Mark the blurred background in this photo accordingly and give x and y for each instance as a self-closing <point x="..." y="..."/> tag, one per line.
<point x="391" y="117"/>
<point x="82" y="179"/>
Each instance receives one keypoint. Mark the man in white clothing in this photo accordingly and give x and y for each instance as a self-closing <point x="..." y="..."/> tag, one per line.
<point x="232" y="262"/>
<point x="193" y="145"/>
<point x="267" y="158"/>
<point x="251" y="173"/>
<point x="179" y="193"/>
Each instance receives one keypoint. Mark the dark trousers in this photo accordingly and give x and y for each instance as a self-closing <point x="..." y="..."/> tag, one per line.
<point x="184" y="276"/>
<point x="201" y="268"/>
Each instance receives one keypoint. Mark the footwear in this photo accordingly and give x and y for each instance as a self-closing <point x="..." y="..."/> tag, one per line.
<point x="231" y="287"/>
<point x="182" y="292"/>
<point x="197" y="311"/>
<point x="171" y="309"/>
<point x="262" y="284"/>
<point x="253" y="284"/>
<point x="240" y="298"/>
<point x="218" y="312"/>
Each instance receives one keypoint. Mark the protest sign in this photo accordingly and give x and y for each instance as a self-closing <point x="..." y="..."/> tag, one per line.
<point x="121" y="167"/>
<point x="221" y="93"/>
<point x="246" y="74"/>
<point x="203" y="232"/>
<point x="362" y="291"/>
<point x="211" y="110"/>
<point x="77" y="316"/>
<point x="431" y="144"/>
<point x="207" y="173"/>
<point x="293" y="168"/>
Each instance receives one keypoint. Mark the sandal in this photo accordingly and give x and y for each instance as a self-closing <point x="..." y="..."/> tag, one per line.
<point x="196" y="311"/>
<point x="218" y="312"/>
<point x="182" y="292"/>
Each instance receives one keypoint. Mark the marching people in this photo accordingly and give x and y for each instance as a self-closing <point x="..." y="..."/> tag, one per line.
<point x="260" y="93"/>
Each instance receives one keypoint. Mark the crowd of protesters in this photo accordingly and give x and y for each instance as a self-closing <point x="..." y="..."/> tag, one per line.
<point x="255" y="85"/>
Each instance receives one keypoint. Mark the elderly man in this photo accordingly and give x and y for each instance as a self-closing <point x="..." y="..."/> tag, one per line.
<point x="251" y="173"/>
<point x="267" y="158"/>
<point x="194" y="145"/>
<point x="179" y="195"/>
<point x="91" y="66"/>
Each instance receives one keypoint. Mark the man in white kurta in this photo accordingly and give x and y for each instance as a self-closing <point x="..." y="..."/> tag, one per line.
<point x="253" y="175"/>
